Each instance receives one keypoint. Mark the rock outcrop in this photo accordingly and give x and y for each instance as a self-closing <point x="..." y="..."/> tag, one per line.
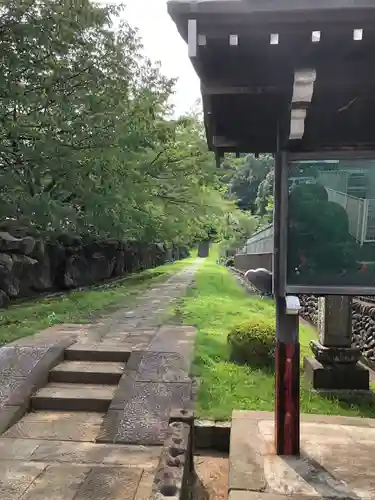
<point x="31" y="264"/>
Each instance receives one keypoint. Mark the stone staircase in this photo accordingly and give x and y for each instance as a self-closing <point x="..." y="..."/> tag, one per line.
<point x="52" y="451"/>
<point x="85" y="381"/>
<point x="98" y="421"/>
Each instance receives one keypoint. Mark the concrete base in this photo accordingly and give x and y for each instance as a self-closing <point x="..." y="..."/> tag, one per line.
<point x="336" y="377"/>
<point x="336" y="460"/>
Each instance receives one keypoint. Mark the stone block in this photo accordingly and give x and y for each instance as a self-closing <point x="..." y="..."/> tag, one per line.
<point x="117" y="353"/>
<point x="18" y="362"/>
<point x="87" y="372"/>
<point x="221" y="437"/>
<point x="174" y="338"/>
<point x="16" y="478"/>
<point x="73" y="397"/>
<point x="134" y="360"/>
<point x="336" y="377"/>
<point x="182" y="415"/>
<point x="335" y="320"/>
<point x="69" y="451"/>
<point x="246" y="470"/>
<point x="264" y="495"/>
<point x="145" y="457"/>
<point x="204" y="434"/>
<point x="18" y="449"/>
<point x="58" y="482"/>
<point x="163" y="367"/>
<point x="144" y="490"/>
<point x="110" y="483"/>
<point x="173" y="476"/>
<point x="9" y="415"/>
<point x="334" y="355"/>
<point x="24" y="369"/>
<point x="59" y="426"/>
<point x="139" y="413"/>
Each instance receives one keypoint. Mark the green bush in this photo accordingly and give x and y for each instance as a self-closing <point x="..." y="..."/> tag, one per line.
<point x="253" y="343"/>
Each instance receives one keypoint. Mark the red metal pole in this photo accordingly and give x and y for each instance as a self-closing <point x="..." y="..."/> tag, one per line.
<point x="287" y="384"/>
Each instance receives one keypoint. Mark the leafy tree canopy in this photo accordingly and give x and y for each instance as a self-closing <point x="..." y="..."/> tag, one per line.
<point x="87" y="140"/>
<point x="244" y="177"/>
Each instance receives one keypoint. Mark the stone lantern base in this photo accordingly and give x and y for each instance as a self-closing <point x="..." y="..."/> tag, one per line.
<point x="336" y="368"/>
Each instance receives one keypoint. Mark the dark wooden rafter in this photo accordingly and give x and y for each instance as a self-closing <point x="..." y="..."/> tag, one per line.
<point x="247" y="56"/>
<point x="303" y="90"/>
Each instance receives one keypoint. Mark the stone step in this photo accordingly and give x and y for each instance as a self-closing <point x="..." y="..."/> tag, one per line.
<point x="57" y="425"/>
<point x="116" y="353"/>
<point x="87" y="372"/>
<point x="73" y="397"/>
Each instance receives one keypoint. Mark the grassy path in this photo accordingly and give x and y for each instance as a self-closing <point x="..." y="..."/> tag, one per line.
<point x="215" y="304"/>
<point x="80" y="307"/>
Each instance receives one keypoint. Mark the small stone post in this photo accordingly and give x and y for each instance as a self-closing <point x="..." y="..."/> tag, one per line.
<point x="169" y="255"/>
<point x="203" y="249"/>
<point x="335" y="363"/>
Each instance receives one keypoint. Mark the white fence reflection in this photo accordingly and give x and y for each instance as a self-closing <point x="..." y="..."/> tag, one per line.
<point x="361" y="214"/>
<point x="261" y="242"/>
<point x="361" y="217"/>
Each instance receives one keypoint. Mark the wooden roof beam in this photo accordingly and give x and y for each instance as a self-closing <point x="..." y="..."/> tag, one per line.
<point x="303" y="90"/>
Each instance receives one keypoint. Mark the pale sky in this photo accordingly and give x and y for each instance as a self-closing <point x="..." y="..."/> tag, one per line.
<point x="163" y="43"/>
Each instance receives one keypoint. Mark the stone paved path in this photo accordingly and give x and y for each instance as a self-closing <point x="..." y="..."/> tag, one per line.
<point x="158" y="374"/>
<point x="138" y="327"/>
<point x="77" y="455"/>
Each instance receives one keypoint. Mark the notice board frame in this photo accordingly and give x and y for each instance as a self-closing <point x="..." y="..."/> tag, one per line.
<point x="281" y="287"/>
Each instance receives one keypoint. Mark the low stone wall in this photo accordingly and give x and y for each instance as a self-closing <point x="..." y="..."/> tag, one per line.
<point x="244" y="262"/>
<point x="364" y="329"/>
<point x="174" y="476"/>
<point x="309" y="308"/>
<point x="363" y="323"/>
<point x="32" y="264"/>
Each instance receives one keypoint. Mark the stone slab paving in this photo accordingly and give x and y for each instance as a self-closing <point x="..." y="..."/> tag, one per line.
<point x="33" y="470"/>
<point x="156" y="378"/>
<point x="57" y="426"/>
<point x="142" y="323"/>
<point x="56" y="454"/>
<point x="337" y="459"/>
<point x="142" y="415"/>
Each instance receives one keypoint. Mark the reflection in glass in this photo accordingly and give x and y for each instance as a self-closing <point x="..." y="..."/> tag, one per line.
<point x="331" y="223"/>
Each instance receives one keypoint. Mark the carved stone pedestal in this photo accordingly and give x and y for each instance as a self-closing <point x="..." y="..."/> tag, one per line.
<point x="335" y="364"/>
<point x="335" y="355"/>
<point x="339" y="377"/>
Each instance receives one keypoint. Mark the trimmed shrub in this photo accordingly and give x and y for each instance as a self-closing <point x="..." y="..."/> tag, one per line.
<point x="253" y="343"/>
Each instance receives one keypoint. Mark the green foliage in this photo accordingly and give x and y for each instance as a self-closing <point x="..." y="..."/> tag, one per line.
<point x="214" y="305"/>
<point x="319" y="233"/>
<point x="253" y="342"/>
<point x="244" y="176"/>
<point x="238" y="227"/>
<point x="230" y="262"/>
<point x="87" y="143"/>
<point x="264" y="200"/>
<point x="307" y="193"/>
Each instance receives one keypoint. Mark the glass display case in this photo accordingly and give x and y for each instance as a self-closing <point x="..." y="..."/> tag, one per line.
<point x="331" y="224"/>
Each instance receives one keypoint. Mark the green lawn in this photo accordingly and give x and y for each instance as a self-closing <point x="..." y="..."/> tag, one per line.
<point x="215" y="304"/>
<point x="80" y="307"/>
